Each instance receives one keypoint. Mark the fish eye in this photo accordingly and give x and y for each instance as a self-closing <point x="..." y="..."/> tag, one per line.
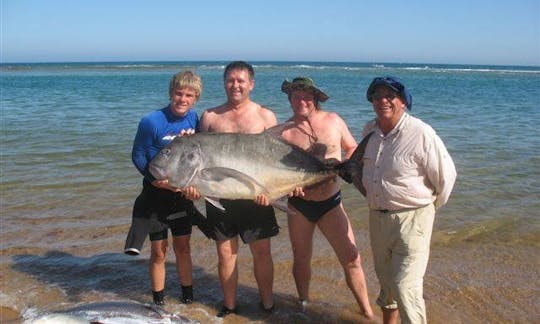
<point x="190" y="156"/>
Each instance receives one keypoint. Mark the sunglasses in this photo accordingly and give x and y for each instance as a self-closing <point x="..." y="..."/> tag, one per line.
<point x="384" y="95"/>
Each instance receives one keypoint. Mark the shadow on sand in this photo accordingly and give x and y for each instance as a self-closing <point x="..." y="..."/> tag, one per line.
<point x="127" y="277"/>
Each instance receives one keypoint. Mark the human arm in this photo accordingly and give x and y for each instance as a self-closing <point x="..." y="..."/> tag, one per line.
<point x="143" y="150"/>
<point x="143" y="147"/>
<point x="348" y="143"/>
<point x="441" y="171"/>
<point x="164" y="184"/>
<point x="204" y="122"/>
<point x="149" y="141"/>
<point x="268" y="117"/>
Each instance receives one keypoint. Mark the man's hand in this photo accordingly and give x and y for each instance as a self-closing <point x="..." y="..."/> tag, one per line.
<point x="164" y="184"/>
<point x="191" y="193"/>
<point x="297" y="192"/>
<point x="190" y="131"/>
<point x="262" y="200"/>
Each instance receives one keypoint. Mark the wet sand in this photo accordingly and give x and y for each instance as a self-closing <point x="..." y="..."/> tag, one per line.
<point x="7" y="315"/>
<point x="467" y="282"/>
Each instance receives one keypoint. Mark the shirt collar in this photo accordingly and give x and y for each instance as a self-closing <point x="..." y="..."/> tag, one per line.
<point x="171" y="116"/>
<point x="401" y="123"/>
<point x="399" y="126"/>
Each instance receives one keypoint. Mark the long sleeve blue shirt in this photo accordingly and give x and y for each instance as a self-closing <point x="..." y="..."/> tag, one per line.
<point x="155" y="131"/>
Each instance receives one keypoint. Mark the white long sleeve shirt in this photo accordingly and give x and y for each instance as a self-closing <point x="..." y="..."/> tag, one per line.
<point x="408" y="168"/>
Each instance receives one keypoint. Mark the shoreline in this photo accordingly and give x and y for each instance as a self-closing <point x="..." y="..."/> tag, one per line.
<point x="472" y="282"/>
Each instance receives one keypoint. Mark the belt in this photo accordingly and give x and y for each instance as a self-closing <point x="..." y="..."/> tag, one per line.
<point x="386" y="211"/>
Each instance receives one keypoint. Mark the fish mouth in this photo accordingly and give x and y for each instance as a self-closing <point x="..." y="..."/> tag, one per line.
<point x="157" y="172"/>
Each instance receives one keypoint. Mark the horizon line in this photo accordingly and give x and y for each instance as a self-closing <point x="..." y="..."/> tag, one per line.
<point x="252" y="61"/>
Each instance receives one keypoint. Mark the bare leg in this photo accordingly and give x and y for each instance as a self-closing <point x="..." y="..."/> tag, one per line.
<point x="182" y="252"/>
<point x="337" y="229"/>
<point x="390" y="316"/>
<point x="158" y="254"/>
<point x="263" y="268"/>
<point x="301" y="234"/>
<point x="228" y="271"/>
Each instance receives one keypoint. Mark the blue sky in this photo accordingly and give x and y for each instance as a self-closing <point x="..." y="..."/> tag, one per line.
<point x="499" y="32"/>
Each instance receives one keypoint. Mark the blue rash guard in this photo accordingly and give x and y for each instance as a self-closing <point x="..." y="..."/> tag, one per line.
<point x="155" y="131"/>
<point x="154" y="205"/>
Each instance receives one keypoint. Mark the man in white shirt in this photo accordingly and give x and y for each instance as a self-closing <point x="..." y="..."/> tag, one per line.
<point x="407" y="175"/>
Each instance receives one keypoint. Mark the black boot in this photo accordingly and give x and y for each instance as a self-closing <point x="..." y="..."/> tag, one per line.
<point x="187" y="294"/>
<point x="226" y="311"/>
<point x="159" y="297"/>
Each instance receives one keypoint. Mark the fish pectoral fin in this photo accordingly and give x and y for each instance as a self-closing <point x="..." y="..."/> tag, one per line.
<point x="200" y="206"/>
<point x="220" y="174"/>
<point x="215" y="202"/>
<point x="281" y="204"/>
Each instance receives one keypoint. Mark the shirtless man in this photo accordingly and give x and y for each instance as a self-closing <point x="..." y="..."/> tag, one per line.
<point x="325" y="135"/>
<point x="254" y="223"/>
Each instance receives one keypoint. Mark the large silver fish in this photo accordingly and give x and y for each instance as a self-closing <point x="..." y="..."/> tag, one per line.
<point x="108" y="312"/>
<point x="237" y="166"/>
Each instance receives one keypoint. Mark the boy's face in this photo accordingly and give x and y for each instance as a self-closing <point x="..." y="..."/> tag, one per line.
<point x="182" y="99"/>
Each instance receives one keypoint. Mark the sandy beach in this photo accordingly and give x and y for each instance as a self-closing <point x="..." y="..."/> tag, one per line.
<point x="469" y="282"/>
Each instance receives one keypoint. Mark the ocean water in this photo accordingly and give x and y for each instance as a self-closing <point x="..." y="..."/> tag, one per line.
<point x="68" y="184"/>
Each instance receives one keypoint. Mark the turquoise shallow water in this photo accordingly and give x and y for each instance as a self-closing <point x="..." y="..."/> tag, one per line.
<point x="68" y="184"/>
<point x="67" y="131"/>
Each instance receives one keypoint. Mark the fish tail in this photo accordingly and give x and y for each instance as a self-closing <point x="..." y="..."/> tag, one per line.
<point x="343" y="169"/>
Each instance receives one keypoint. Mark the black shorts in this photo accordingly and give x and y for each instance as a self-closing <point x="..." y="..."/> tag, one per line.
<point x="242" y="217"/>
<point x="315" y="210"/>
<point x="164" y="209"/>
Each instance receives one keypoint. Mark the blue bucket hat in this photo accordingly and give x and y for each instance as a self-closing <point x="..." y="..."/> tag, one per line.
<point x="393" y="83"/>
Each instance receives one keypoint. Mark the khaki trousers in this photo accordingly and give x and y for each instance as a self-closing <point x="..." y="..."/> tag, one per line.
<point x="400" y="243"/>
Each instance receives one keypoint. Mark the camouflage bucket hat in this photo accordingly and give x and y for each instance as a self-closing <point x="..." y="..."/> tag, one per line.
<point x="303" y="83"/>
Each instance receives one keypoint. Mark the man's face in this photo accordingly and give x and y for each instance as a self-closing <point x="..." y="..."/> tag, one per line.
<point x="238" y="85"/>
<point x="387" y="104"/>
<point x="302" y="102"/>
